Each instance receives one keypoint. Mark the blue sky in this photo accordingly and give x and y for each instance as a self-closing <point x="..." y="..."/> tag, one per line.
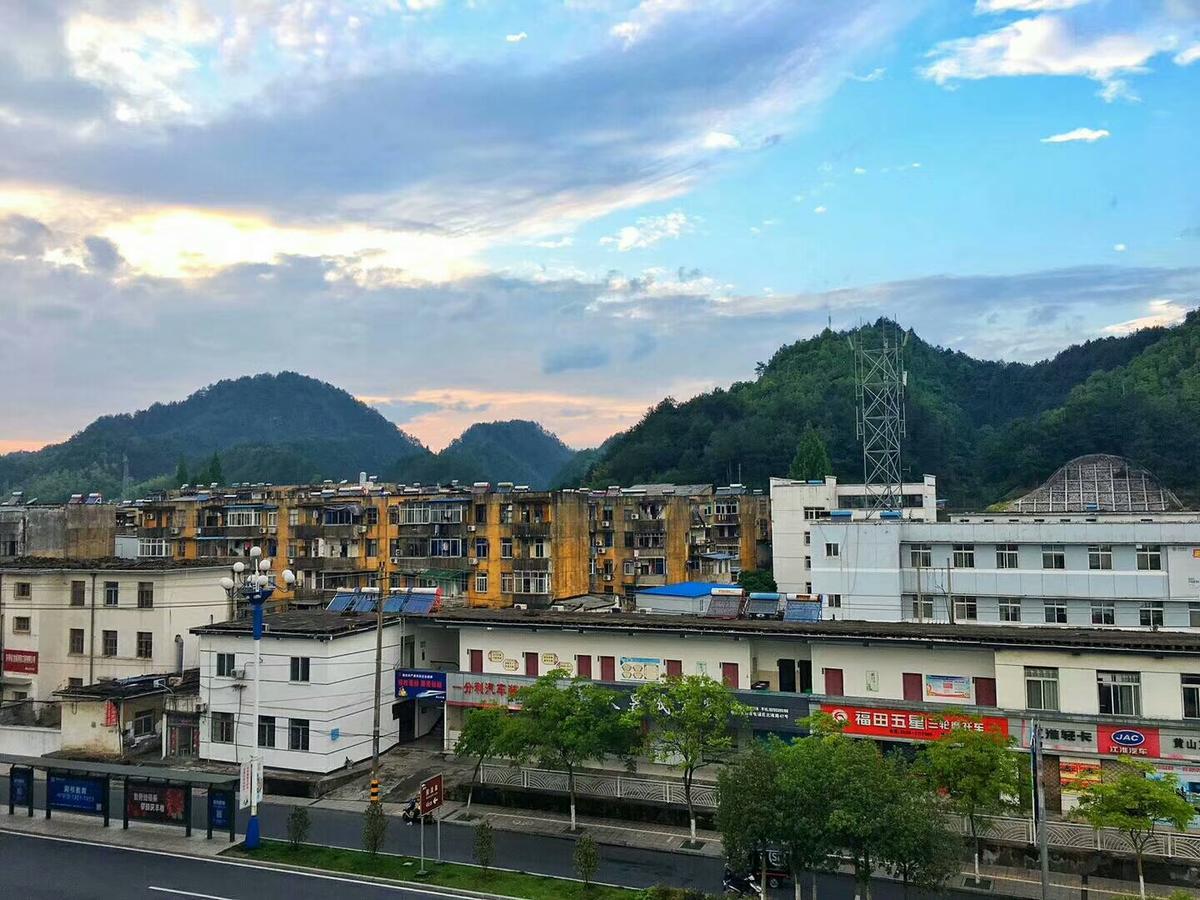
<point x="565" y="210"/>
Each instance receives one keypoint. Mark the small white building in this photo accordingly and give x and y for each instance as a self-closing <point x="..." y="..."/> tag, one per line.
<point x="797" y="505"/>
<point x="69" y="623"/>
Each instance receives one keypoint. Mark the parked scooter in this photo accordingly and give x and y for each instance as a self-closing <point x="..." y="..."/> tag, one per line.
<point x="741" y="885"/>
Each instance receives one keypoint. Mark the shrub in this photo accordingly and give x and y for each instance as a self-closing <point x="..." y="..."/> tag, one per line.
<point x="374" y="828"/>
<point x="297" y="826"/>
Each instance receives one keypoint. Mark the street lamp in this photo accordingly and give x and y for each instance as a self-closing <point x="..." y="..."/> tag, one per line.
<point x="253" y="585"/>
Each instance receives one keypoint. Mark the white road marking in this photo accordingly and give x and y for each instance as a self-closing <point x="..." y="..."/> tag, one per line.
<point x="164" y="890"/>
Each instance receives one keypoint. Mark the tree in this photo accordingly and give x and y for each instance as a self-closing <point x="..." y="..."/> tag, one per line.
<point x="297" y="826"/>
<point x="485" y="845"/>
<point x="812" y="458"/>
<point x="181" y="473"/>
<point x="802" y="799"/>
<point x="748" y="806"/>
<point x="689" y="725"/>
<point x="565" y="722"/>
<point x="484" y="734"/>
<point x="1132" y="800"/>
<point x="374" y="828"/>
<point x="920" y="848"/>
<point x="586" y="859"/>
<point x="980" y="773"/>
<point x="757" y="580"/>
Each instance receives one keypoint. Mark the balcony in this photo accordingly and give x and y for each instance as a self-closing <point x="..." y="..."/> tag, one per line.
<point x="531" y="530"/>
<point x="529" y="564"/>
<point x="305" y="532"/>
<point x="657" y="526"/>
<point x="338" y="564"/>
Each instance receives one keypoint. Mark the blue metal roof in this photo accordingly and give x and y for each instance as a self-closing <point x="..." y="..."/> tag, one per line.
<point x="682" y="589"/>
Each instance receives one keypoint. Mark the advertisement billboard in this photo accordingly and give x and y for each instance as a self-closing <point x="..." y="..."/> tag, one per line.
<point x="410" y="682"/>
<point x="640" y="668"/>
<point x="899" y="724"/>
<point x="1128" y="740"/>
<point x="76" y="793"/>
<point x="156" y="803"/>
<point x="948" y="687"/>
<point x="22" y="661"/>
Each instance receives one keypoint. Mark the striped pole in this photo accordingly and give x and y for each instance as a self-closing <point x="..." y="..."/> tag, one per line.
<point x="374" y="790"/>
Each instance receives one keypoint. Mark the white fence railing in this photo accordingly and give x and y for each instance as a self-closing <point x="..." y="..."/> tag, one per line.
<point x="1011" y="829"/>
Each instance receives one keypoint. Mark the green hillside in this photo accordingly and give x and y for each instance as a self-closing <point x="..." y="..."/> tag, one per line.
<point x="518" y="451"/>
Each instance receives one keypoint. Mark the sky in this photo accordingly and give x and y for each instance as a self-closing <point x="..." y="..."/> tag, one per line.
<point x="472" y="210"/>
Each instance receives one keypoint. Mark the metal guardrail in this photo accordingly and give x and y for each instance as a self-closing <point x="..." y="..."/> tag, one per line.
<point x="1011" y="829"/>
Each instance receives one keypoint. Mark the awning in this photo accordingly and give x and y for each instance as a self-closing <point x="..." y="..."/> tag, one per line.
<point x="355" y="509"/>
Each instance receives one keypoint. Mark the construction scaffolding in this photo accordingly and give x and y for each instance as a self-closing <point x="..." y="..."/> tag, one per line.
<point x="1098" y="482"/>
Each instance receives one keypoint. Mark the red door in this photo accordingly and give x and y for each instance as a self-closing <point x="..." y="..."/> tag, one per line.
<point x="834" y="686"/>
<point x="583" y="666"/>
<point x="476" y="657"/>
<point x="608" y="668"/>
<point x="531" y="665"/>
<point x="729" y="674"/>
<point x="674" y="668"/>
<point x="985" y="691"/>
<point x="912" y="686"/>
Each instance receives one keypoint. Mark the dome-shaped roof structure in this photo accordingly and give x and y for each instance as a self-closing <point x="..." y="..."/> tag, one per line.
<point x="1098" y="482"/>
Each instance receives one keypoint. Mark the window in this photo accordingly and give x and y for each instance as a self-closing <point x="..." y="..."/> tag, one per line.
<point x="153" y="547"/>
<point x="506" y="582"/>
<point x="242" y="518"/>
<point x="145" y="595"/>
<point x="1041" y="688"/>
<point x="539" y="549"/>
<point x="1120" y="693"/>
<point x="74" y="682"/>
<point x="481" y="583"/>
<point x="266" y="731"/>
<point x="506" y="514"/>
<point x="109" y="643"/>
<point x="1054" y="556"/>
<point x="1149" y="557"/>
<point x="222" y="728"/>
<point x="480" y="513"/>
<point x="1104" y="612"/>
<point x="531" y="582"/>
<point x="77" y="593"/>
<point x="481" y="548"/>
<point x="225" y="665"/>
<point x="921" y="556"/>
<point x="807" y="539"/>
<point x="964" y="556"/>
<point x="833" y="601"/>
<point x="923" y="608"/>
<point x="1150" y="613"/>
<point x="965" y="609"/>
<point x="1100" y="557"/>
<point x="23" y="590"/>
<point x="812" y="513"/>
<point x="293" y="517"/>
<point x="506" y="548"/>
<point x="75" y="644"/>
<point x="1191" y="696"/>
<point x="370" y="516"/>
<point x="112" y="593"/>
<point x="1006" y="556"/>
<point x="808" y="562"/>
<point x="143" y="723"/>
<point x="832" y="551"/>
<point x="299" y="670"/>
<point x="445" y="547"/>
<point x="21" y="625"/>
<point x="1010" y="609"/>
<point x="145" y="645"/>
<point x="297" y="734"/>
<point x="1056" y="612"/>
<point x="372" y="547"/>
<point x="1194" y="615"/>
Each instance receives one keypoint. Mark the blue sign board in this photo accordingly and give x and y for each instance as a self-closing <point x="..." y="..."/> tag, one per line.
<point x="76" y="793"/>
<point x="412" y="682"/>
<point x="220" y="808"/>
<point x="20" y="785"/>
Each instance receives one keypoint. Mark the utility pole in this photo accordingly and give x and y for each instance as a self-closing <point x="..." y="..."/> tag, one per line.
<point x="920" y="608"/>
<point x="949" y="592"/>
<point x="2" y="642"/>
<point x="1039" y="793"/>
<point x="378" y="677"/>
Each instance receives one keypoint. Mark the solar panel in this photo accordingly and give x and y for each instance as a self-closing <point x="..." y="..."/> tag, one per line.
<point x="800" y="611"/>
<point x="393" y="603"/>
<point x="723" y="607"/>
<point x="364" y="604"/>
<point x="762" y="607"/>
<point x="341" y="602"/>
<point x="419" y="605"/>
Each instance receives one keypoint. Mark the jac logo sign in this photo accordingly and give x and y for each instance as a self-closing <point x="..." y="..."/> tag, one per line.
<point x="1127" y="741"/>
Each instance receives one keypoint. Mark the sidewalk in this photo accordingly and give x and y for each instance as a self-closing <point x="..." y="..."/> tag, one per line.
<point x="140" y="836"/>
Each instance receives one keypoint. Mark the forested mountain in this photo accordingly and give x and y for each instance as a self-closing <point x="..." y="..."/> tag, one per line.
<point x="518" y="451"/>
<point x="986" y="429"/>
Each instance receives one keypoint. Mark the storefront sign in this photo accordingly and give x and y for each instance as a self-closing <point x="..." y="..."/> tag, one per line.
<point x="23" y="661"/>
<point x="156" y="803"/>
<point x="1179" y="744"/>
<point x="474" y="689"/>
<point x="640" y="668"/>
<point x="550" y="660"/>
<point x="77" y="793"/>
<point x="774" y="712"/>
<point x="1126" y="740"/>
<point x="430" y="796"/>
<point x="511" y="665"/>
<point x="908" y="725"/>
<point x="1076" y="775"/>
<point x="410" y="682"/>
<point x="948" y="687"/>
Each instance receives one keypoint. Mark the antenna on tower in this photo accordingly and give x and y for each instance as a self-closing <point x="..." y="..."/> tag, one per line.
<point x="880" y="380"/>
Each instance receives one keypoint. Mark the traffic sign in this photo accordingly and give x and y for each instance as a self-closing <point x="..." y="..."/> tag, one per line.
<point x="431" y="796"/>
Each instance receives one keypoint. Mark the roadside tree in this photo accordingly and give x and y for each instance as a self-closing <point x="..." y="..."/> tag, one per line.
<point x="920" y="847"/>
<point x="485" y="734"/>
<point x="748" y="806"/>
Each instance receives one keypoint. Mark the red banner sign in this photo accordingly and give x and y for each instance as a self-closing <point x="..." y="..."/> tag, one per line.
<point x="431" y="794"/>
<point x="907" y="724"/>
<point x="25" y="661"/>
<point x="110" y="714"/>
<point x="156" y="803"/>
<point x="1128" y="740"/>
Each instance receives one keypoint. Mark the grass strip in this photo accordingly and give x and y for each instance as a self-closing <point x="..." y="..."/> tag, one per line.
<point x="450" y="875"/>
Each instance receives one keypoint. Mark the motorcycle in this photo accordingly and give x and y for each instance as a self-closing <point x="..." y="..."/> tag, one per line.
<point x="741" y="885"/>
<point x="409" y="814"/>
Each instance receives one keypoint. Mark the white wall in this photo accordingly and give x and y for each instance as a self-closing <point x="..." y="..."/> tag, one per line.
<point x="888" y="665"/>
<point x="22" y="741"/>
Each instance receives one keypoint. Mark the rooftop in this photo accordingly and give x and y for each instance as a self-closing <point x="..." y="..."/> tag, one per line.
<point x="137" y="686"/>
<point x="1098" y="482"/>
<point x="684" y="589"/>
<point x="317" y="624"/>
<point x="107" y="563"/>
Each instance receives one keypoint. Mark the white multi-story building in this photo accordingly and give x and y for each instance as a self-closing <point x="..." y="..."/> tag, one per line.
<point x="797" y="505"/>
<point x="69" y="623"/>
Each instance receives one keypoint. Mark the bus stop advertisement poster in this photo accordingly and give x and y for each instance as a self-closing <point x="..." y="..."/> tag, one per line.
<point x="20" y="785"/>
<point x="76" y="793"/>
<point x="220" y="807"/>
<point x="157" y="803"/>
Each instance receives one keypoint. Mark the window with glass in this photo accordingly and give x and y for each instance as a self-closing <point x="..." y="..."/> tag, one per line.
<point x="1010" y="609"/>
<point x="294" y="517"/>
<point x="1150" y="613"/>
<point x="22" y="624"/>
<point x="1191" y="696"/>
<point x="222" y="728"/>
<point x="481" y="582"/>
<point x="78" y="590"/>
<point x="506" y="514"/>
<point x="266" y="731"/>
<point x="539" y="549"/>
<point x="23" y="590"/>
<point x="1041" y="688"/>
<point x="506" y="582"/>
<point x="112" y="593"/>
<point x="832" y="550"/>
<point x="834" y="601"/>
<point x="922" y="609"/>
<point x="1056" y="612"/>
<point x="506" y="548"/>
<point x="920" y="556"/>
<point x="75" y="641"/>
<point x="1006" y="556"/>
<point x="143" y="723"/>
<point x="297" y="734"/>
<point x="481" y="548"/>
<point x="1054" y="556"/>
<point x="1100" y="557"/>
<point x="1149" y="557"/>
<point x="445" y="547"/>
<point x="225" y="665"/>
<point x="966" y="609"/>
<point x="145" y="595"/>
<point x="109" y="643"/>
<point x="1104" y="612"/>
<point x="145" y="645"/>
<point x="1194" y="615"/>
<point x="1120" y="693"/>
<point x="299" y="668"/>
<point x="964" y="556"/>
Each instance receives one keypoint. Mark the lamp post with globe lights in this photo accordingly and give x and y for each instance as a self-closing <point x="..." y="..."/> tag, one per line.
<point x="253" y="585"/>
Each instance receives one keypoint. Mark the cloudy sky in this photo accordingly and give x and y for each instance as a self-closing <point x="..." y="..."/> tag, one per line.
<point x="467" y="210"/>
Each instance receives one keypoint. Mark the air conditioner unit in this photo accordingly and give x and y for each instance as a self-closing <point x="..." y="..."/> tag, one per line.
<point x="608" y="577"/>
<point x="635" y="516"/>
<point x="272" y="530"/>
<point x="262" y="531"/>
<point x="396" y="560"/>
<point x="174" y="532"/>
<point x="201" y="708"/>
<point x="362" y="529"/>
<point x="471" y="528"/>
<point x="606" y="524"/>
<point x="239" y="674"/>
<point x="474" y="561"/>
<point x="520" y="606"/>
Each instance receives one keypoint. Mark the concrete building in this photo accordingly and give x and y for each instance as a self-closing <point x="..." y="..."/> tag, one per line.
<point x="797" y="505"/>
<point x="72" y="622"/>
<point x="77" y="530"/>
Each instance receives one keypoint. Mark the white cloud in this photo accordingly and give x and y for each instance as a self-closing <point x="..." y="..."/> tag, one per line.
<point x="720" y="140"/>
<point x="648" y="231"/>
<point x="564" y="241"/>
<point x="516" y="38"/>
<point x="1090" y="135"/>
<point x="874" y="75"/>
<point x="626" y="31"/>
<point x="1160" y="314"/>
<point x="820" y="210"/>
<point x="1188" y="56"/>
<point x="1120" y="248"/>
<point x="859" y="170"/>
<point x="1000" y="6"/>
